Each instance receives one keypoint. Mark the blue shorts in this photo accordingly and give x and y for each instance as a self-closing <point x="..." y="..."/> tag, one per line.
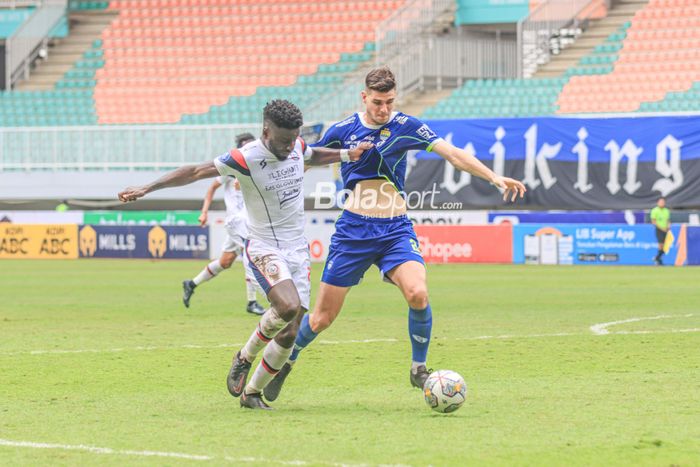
<point x="359" y="242"/>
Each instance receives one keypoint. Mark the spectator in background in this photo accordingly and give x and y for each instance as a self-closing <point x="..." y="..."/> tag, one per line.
<point x="660" y="217"/>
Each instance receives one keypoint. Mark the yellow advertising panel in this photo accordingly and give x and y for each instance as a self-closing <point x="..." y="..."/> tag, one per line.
<point x="35" y="241"/>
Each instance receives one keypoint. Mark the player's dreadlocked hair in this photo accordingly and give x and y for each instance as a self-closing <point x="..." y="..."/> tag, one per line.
<point x="380" y="80"/>
<point x="284" y="114"/>
<point x="243" y="138"/>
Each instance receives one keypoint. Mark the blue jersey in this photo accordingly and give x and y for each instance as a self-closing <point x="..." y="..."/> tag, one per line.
<point x="391" y="142"/>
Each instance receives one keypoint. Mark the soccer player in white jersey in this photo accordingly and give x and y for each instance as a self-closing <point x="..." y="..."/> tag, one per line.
<point x="236" y="234"/>
<point x="271" y="173"/>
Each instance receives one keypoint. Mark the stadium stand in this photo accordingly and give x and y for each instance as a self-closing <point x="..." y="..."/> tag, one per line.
<point x="189" y="55"/>
<point x="658" y="56"/>
<point x="203" y="61"/>
<point x="525" y="97"/>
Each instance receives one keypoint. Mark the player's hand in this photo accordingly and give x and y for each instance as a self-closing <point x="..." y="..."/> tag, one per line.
<point x="132" y="193"/>
<point x="203" y="218"/>
<point x="355" y="153"/>
<point x="510" y="187"/>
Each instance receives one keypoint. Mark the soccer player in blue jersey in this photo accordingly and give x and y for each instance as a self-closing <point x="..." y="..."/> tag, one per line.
<point x="374" y="227"/>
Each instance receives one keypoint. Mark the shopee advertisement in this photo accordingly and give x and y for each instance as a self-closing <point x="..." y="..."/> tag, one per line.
<point x="466" y="243"/>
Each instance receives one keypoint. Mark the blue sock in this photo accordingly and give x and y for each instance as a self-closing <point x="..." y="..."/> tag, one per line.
<point x="304" y="338"/>
<point x="420" y="323"/>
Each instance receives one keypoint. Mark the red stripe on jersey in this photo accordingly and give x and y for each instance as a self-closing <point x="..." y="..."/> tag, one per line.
<point x="238" y="157"/>
<point x="303" y="145"/>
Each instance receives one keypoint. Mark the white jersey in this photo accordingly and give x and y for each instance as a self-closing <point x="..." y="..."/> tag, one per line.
<point x="233" y="197"/>
<point x="272" y="191"/>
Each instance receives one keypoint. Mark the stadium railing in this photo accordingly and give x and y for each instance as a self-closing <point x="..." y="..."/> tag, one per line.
<point x="547" y="21"/>
<point x="151" y="147"/>
<point x="24" y="45"/>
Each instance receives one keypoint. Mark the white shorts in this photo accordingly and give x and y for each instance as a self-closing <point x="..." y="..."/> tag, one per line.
<point x="236" y="233"/>
<point x="272" y="265"/>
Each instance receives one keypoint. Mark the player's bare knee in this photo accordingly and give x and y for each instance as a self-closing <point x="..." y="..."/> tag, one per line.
<point x="319" y="321"/>
<point x="289" y="309"/>
<point x="417" y="298"/>
<point x="226" y="261"/>
<point x="286" y="336"/>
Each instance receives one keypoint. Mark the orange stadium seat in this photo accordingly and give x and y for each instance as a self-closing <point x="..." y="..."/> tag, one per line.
<point x="659" y="55"/>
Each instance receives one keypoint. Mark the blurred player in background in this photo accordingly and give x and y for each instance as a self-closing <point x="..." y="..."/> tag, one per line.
<point x="236" y="234"/>
<point x="270" y="171"/>
<point x="660" y="217"/>
<point x="374" y="227"/>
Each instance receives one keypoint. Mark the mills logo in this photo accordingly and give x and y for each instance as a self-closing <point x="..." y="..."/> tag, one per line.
<point x="157" y="242"/>
<point x="88" y="241"/>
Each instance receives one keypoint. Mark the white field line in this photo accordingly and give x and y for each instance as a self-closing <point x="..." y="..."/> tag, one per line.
<point x="176" y="455"/>
<point x="597" y="329"/>
<point x="602" y="328"/>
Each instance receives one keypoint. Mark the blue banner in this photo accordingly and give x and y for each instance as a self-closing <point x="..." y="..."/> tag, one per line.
<point x="567" y="217"/>
<point x="570" y="163"/>
<point x="619" y="244"/>
<point x="155" y="242"/>
<point x="694" y="246"/>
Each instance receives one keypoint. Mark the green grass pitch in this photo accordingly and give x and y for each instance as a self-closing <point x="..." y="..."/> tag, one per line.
<point x="100" y="363"/>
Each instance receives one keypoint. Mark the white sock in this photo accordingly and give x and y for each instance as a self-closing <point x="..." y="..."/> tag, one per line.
<point x="208" y="272"/>
<point x="250" y="290"/>
<point x="268" y="327"/>
<point x="273" y="358"/>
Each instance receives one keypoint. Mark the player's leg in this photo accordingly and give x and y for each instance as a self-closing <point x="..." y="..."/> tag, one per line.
<point x="411" y="280"/>
<point x="230" y="250"/>
<point x="252" y="288"/>
<point x="402" y="263"/>
<point x="661" y="239"/>
<point x="285" y="313"/>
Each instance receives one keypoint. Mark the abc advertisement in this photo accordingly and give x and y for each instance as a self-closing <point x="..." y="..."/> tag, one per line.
<point x="614" y="244"/>
<point x="466" y="243"/>
<point x="155" y="242"/>
<point x="36" y="241"/>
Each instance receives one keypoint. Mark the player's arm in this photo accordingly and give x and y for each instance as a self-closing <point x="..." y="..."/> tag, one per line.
<point x="467" y="162"/>
<point x="325" y="156"/>
<point x="203" y="217"/>
<point x="178" y="177"/>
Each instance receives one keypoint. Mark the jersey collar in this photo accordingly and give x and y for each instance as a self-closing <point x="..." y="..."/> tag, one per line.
<point x="361" y="117"/>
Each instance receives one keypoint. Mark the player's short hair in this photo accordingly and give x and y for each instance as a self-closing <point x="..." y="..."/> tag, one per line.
<point x="284" y="114"/>
<point x="380" y="79"/>
<point x="243" y="138"/>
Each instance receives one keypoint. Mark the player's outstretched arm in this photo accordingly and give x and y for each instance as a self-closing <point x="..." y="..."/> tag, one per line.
<point x="325" y="156"/>
<point x="467" y="162"/>
<point x="208" y="198"/>
<point x="178" y="177"/>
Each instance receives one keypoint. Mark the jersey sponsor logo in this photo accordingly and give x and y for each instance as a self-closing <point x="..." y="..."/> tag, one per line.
<point x="288" y="195"/>
<point x="425" y="132"/>
<point x="263" y="163"/>
<point x="384" y="134"/>
<point x="353" y="137"/>
<point x="284" y="172"/>
<point x="415" y="247"/>
<point x="401" y="119"/>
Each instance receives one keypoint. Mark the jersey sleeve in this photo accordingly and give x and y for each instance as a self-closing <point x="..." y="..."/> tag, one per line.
<point x="304" y="149"/>
<point x="332" y="138"/>
<point x="232" y="163"/>
<point x="422" y="136"/>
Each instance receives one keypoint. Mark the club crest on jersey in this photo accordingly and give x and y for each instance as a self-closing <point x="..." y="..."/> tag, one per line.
<point x="384" y="134"/>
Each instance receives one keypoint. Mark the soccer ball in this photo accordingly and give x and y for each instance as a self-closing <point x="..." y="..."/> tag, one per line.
<point x="445" y="391"/>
